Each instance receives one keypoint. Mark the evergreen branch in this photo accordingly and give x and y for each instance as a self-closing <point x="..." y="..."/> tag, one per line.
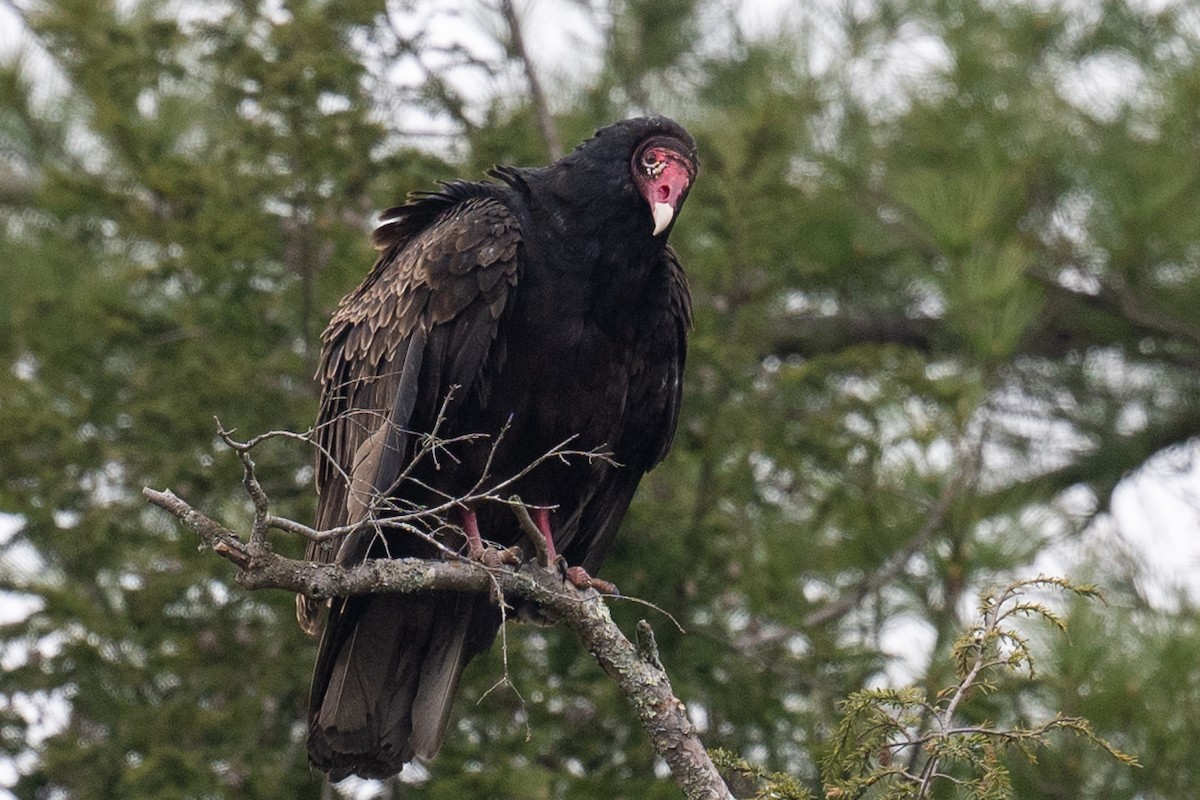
<point x="877" y="724"/>
<point x="963" y="474"/>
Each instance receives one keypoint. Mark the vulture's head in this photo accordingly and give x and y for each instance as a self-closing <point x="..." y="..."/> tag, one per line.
<point x="649" y="161"/>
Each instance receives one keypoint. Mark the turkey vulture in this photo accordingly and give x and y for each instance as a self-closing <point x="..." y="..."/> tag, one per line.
<point x="544" y="306"/>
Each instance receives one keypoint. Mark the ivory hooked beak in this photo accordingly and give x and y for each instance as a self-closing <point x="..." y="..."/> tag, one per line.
<point x="663" y="212"/>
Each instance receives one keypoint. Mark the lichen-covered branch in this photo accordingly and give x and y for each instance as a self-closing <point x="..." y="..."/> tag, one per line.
<point x="637" y="673"/>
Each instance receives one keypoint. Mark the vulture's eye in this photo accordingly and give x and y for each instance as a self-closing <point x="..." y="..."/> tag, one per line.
<point x="650" y="159"/>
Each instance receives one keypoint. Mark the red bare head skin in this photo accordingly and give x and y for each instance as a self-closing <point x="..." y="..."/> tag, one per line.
<point x="663" y="173"/>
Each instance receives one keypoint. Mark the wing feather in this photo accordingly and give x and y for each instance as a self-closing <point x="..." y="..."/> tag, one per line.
<point x="425" y="320"/>
<point x="653" y="399"/>
<point x="674" y="326"/>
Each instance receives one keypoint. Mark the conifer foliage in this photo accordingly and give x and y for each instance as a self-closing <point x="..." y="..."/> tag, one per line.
<point x="945" y="258"/>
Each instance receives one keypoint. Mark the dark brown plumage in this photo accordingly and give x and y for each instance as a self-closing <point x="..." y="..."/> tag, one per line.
<point x="549" y="303"/>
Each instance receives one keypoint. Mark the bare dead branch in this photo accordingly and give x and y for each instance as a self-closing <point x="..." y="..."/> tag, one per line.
<point x="531" y="531"/>
<point x="536" y="96"/>
<point x="212" y="533"/>
<point x="385" y="511"/>
<point x="636" y="670"/>
<point x="258" y="533"/>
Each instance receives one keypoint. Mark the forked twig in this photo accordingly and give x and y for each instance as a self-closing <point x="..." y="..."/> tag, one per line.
<point x="531" y="531"/>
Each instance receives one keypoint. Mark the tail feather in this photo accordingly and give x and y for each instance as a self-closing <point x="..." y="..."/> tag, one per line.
<point x="386" y="676"/>
<point x="444" y="663"/>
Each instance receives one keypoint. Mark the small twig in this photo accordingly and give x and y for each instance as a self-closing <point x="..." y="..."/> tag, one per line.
<point x="639" y="601"/>
<point x="429" y="444"/>
<point x="253" y="442"/>
<point x="505" y="679"/>
<point x="384" y="512"/>
<point x="262" y="504"/>
<point x="531" y="531"/>
<point x="646" y="644"/>
<point x="946" y="716"/>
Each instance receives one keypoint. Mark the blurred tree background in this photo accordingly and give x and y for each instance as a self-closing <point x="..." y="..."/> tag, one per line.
<point x="946" y="263"/>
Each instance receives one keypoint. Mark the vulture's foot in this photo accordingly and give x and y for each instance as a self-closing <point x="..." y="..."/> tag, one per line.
<point x="579" y="578"/>
<point x="488" y="555"/>
<point x="494" y="557"/>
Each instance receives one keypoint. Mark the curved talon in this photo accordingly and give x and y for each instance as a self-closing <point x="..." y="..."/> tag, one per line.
<point x="487" y="555"/>
<point x="580" y="579"/>
<point x="491" y="556"/>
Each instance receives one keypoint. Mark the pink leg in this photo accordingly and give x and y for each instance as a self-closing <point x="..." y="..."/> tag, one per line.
<point x="477" y="550"/>
<point x="541" y="518"/>
<point x="470" y="525"/>
<point x="577" y="576"/>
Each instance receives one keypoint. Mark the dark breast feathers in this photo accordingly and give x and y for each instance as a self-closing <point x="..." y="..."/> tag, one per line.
<point x="487" y="317"/>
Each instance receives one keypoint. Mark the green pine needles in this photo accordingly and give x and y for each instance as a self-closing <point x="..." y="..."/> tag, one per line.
<point x="896" y="743"/>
